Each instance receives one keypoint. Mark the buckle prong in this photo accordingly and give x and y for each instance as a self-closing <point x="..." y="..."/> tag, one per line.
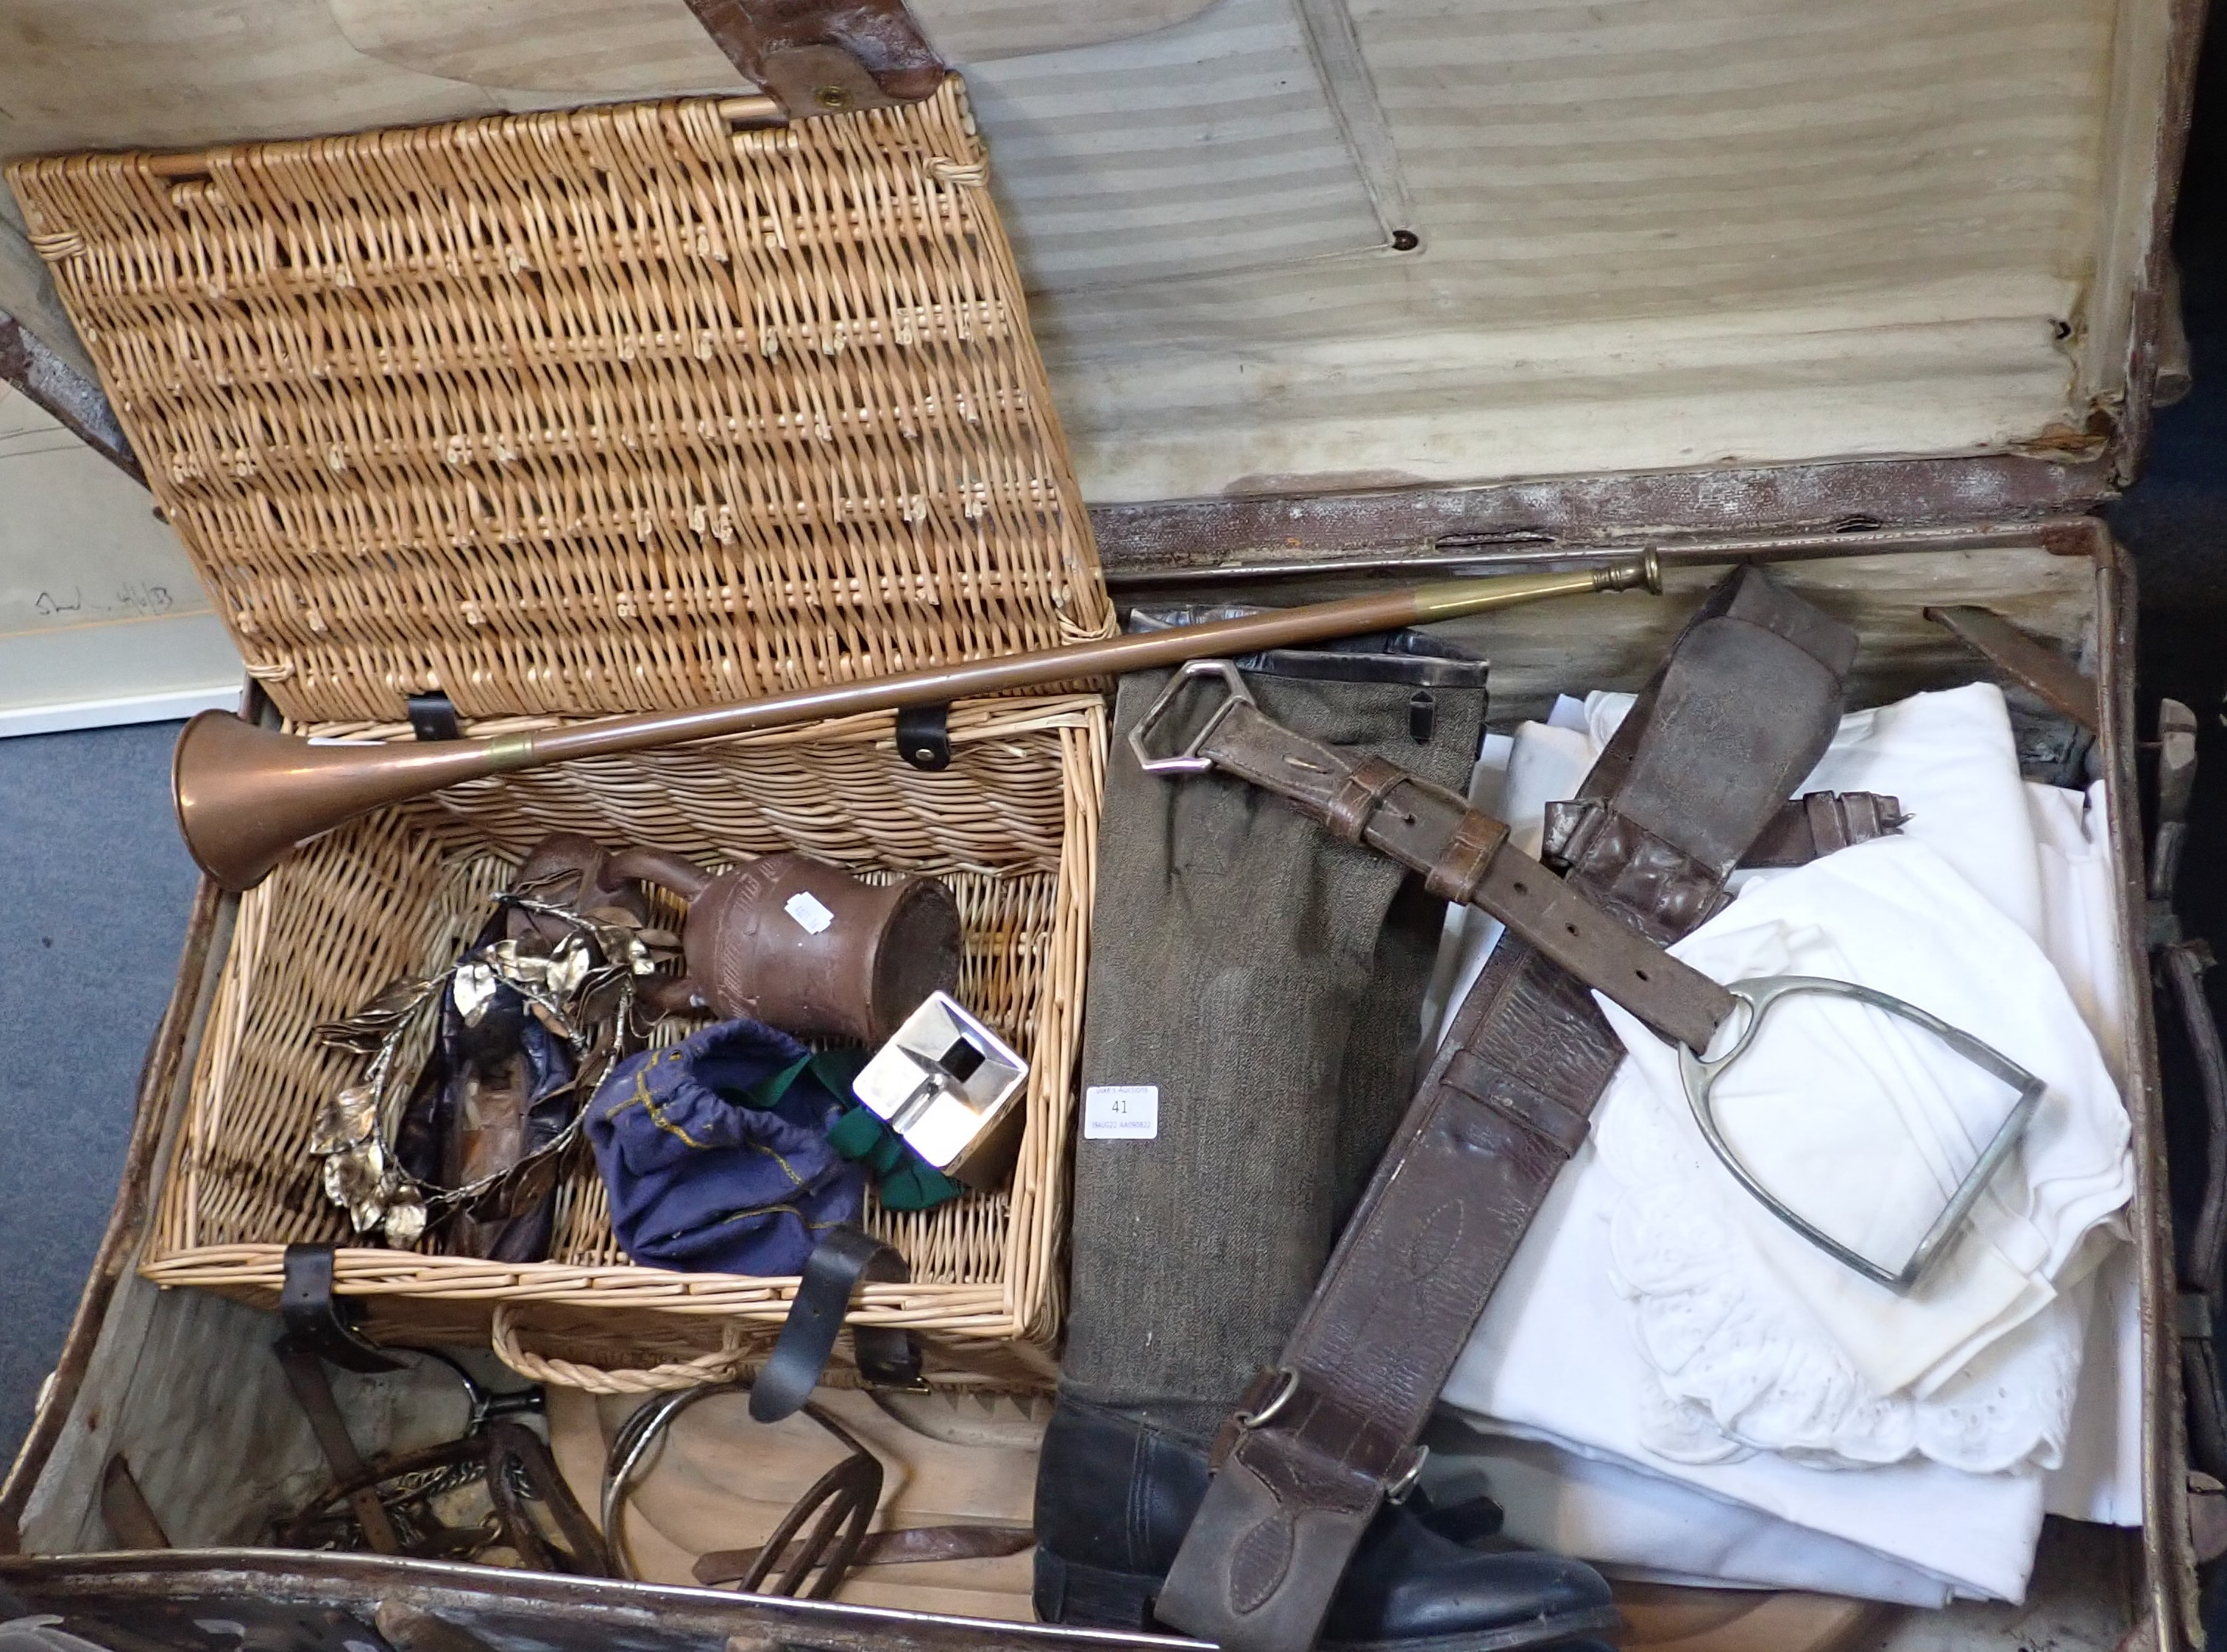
<point x="1399" y="1488"/>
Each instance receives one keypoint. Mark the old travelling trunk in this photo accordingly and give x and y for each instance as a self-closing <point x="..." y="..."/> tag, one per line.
<point x="1330" y="297"/>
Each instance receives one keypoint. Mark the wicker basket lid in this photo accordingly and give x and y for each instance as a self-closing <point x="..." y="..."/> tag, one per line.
<point x="593" y="411"/>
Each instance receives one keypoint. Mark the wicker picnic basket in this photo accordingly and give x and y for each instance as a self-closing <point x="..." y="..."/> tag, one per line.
<point x="578" y="412"/>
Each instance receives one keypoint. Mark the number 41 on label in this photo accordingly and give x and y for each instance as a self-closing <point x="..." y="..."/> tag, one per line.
<point x="1121" y="1112"/>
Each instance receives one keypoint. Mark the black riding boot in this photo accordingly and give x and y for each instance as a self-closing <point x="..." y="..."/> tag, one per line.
<point x="1114" y="1498"/>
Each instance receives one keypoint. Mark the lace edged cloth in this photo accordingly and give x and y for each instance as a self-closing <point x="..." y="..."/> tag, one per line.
<point x="1735" y="1364"/>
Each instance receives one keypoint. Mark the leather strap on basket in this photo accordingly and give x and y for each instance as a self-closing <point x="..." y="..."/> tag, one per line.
<point x="313" y="1319"/>
<point x="1740" y="711"/>
<point x="315" y="1328"/>
<point x="888" y="1357"/>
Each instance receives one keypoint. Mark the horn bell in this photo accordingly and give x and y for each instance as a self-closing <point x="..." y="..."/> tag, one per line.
<point x="246" y="796"/>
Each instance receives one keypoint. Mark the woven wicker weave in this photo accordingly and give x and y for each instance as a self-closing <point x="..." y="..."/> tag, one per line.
<point x="608" y="410"/>
<point x="615" y="409"/>
<point x="1010" y="825"/>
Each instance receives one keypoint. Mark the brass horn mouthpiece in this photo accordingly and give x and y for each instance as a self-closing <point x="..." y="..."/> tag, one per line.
<point x="1642" y="572"/>
<point x="246" y="796"/>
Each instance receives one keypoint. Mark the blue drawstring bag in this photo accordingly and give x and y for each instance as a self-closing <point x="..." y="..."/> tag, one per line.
<point x="716" y="1156"/>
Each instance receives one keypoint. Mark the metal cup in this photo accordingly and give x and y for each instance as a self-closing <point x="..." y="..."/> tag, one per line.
<point x="799" y="945"/>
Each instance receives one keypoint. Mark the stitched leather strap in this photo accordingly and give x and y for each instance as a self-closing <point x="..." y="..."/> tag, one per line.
<point x="1358" y="792"/>
<point x="887" y="1357"/>
<point x="1738" y="714"/>
<point x="1368" y="799"/>
<point x="313" y="1392"/>
<point x="1815" y="824"/>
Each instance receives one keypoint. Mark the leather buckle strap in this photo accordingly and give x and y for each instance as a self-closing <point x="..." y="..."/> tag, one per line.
<point x="1430" y="829"/>
<point x="1460" y="871"/>
<point x="1740" y="711"/>
<point x="1813" y="825"/>
<point x="1358" y="794"/>
<point x="1828" y="827"/>
<point x="1264" y="1398"/>
<point x="888" y="1356"/>
<point x="1347" y="1435"/>
<point x="1189" y="760"/>
<point x="1344" y="1437"/>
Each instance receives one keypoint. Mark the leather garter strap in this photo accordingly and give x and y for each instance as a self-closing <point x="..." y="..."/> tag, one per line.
<point x="1459" y="851"/>
<point x="1701" y="768"/>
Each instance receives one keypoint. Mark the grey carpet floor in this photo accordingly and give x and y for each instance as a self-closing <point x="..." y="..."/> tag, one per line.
<point x="94" y="887"/>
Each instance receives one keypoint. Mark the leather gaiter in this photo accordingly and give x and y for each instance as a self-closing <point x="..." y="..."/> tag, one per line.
<point x="1267" y="980"/>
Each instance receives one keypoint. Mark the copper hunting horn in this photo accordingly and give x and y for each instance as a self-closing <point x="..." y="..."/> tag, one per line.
<point x="246" y="795"/>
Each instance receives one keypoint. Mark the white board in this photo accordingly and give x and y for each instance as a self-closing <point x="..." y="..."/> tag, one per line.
<point x="101" y="620"/>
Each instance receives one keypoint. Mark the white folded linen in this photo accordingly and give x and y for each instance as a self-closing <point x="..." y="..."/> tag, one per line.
<point x="2080" y="911"/>
<point x="2101" y="1478"/>
<point x="1970" y="1534"/>
<point x="1573" y="1502"/>
<point x="1905" y="1533"/>
<point x="1554" y="1360"/>
<point x="1864" y="1123"/>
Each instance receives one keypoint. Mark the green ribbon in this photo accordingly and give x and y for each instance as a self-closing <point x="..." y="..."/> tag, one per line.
<point x="902" y="1179"/>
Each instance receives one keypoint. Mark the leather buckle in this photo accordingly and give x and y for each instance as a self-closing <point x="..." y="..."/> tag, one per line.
<point x="1341" y="1434"/>
<point x="1759" y="993"/>
<point x="1402" y="1485"/>
<point x="1286" y="1390"/>
<point x="1188" y="762"/>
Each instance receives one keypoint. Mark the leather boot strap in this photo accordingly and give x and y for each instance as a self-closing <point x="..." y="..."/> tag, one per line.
<point x="1812" y="826"/>
<point x="1739" y="712"/>
<point x="1466" y="856"/>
